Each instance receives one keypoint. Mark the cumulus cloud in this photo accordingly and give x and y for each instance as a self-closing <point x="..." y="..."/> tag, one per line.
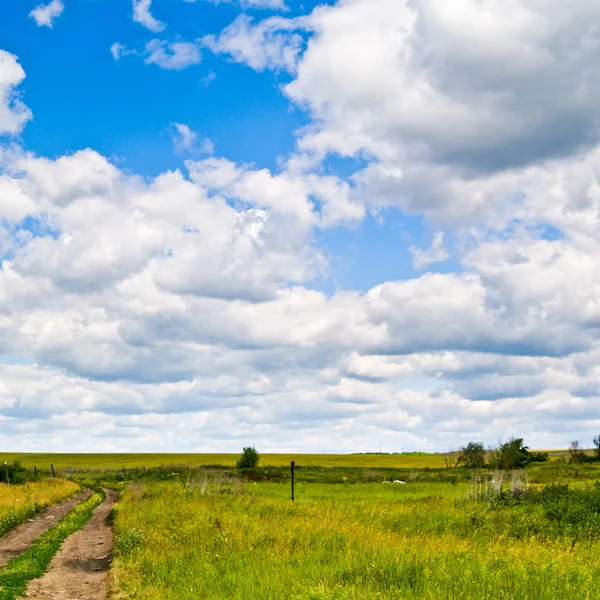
<point x="183" y="302"/>
<point x="436" y="253"/>
<point x="269" y="44"/>
<point x="45" y="14"/>
<point x="141" y="15"/>
<point x="13" y="113"/>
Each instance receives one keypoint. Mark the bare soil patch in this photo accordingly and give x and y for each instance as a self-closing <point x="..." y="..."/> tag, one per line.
<point x="79" y="571"/>
<point x="21" y="537"/>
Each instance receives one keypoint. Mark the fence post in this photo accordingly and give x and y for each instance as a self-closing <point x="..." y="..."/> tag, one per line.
<point x="53" y="473"/>
<point x="6" y="469"/>
<point x="35" y="473"/>
<point x="293" y="464"/>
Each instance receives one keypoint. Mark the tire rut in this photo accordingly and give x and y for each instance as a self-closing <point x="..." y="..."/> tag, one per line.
<point x="19" y="539"/>
<point x="79" y="571"/>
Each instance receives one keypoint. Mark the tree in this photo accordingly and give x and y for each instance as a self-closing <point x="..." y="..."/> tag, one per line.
<point x="452" y="458"/>
<point x="576" y="454"/>
<point x="474" y="455"/>
<point x="249" y="459"/>
<point x="597" y="448"/>
<point x="513" y="454"/>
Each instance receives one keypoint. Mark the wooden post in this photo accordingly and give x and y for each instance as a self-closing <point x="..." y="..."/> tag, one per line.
<point x="35" y="473"/>
<point x="53" y="473"/>
<point x="6" y="469"/>
<point x="293" y="464"/>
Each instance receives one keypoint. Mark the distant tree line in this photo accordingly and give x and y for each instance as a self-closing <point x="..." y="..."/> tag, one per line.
<point x="578" y="456"/>
<point x="512" y="454"/>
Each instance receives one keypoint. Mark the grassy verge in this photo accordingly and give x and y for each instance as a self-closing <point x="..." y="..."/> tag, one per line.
<point x="33" y="563"/>
<point x="21" y="502"/>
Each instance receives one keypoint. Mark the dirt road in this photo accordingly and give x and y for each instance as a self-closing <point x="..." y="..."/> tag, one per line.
<point x="79" y="571"/>
<point x="20" y="538"/>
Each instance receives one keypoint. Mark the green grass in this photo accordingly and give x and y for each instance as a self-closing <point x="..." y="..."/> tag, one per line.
<point x="33" y="562"/>
<point x="21" y="502"/>
<point x="218" y="537"/>
<point x="411" y="460"/>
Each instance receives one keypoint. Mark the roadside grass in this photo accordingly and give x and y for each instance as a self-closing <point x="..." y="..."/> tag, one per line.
<point x="220" y="537"/>
<point x="34" y="562"/>
<point x="21" y="502"/>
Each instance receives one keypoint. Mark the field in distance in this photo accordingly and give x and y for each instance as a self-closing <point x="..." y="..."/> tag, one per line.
<point x="410" y="460"/>
<point x="406" y="460"/>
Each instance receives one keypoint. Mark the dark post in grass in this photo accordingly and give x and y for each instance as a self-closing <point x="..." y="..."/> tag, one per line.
<point x="293" y="464"/>
<point x="35" y="473"/>
<point x="6" y="469"/>
<point x="53" y="473"/>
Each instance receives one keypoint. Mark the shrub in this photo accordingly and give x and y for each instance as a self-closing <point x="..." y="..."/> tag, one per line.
<point x="473" y="455"/>
<point x="576" y="454"/>
<point x="249" y="459"/>
<point x="16" y="473"/>
<point x="513" y="454"/>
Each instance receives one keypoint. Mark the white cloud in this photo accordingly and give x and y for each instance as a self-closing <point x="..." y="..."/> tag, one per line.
<point x="118" y="50"/>
<point x="270" y="44"/>
<point x="186" y="140"/>
<point x="267" y="4"/>
<point x="182" y="303"/>
<point x="45" y="14"/>
<point x="141" y="15"/>
<point x="270" y="4"/>
<point x="186" y="137"/>
<point x="434" y="254"/>
<point x="13" y="113"/>
<point x="173" y="56"/>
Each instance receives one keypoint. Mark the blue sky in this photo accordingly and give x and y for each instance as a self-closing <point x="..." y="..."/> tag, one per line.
<point x="221" y="222"/>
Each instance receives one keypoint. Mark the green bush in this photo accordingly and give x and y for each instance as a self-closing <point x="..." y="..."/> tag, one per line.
<point x="16" y="473"/>
<point x="473" y="455"/>
<point x="249" y="459"/>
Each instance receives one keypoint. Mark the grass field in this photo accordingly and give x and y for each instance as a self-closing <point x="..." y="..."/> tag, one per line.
<point x="217" y="537"/>
<point x="120" y="461"/>
<point x="20" y="502"/>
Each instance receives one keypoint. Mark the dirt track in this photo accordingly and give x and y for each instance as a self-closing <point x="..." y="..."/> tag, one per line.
<point x="79" y="571"/>
<point x="20" y="538"/>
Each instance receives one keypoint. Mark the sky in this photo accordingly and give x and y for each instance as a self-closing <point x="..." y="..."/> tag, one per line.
<point x="343" y="226"/>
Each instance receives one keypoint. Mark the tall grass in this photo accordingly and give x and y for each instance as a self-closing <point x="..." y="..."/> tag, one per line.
<point x="216" y="538"/>
<point x="20" y="502"/>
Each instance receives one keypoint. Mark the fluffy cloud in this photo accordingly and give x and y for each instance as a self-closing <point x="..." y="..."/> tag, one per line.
<point x="269" y="44"/>
<point x="183" y="302"/>
<point x="45" y="14"/>
<point x="436" y="253"/>
<point x="400" y="80"/>
<point x="13" y="113"/>
<point x="141" y="15"/>
<point x="398" y="83"/>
